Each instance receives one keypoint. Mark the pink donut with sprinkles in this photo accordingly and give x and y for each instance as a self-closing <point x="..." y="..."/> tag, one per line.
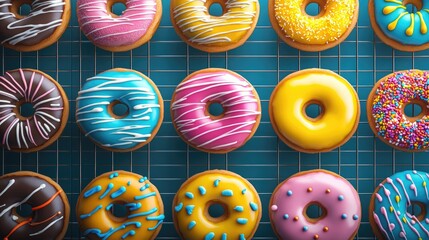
<point x="385" y="110"/>
<point x="133" y="28"/>
<point x="339" y="201"/>
<point x="221" y="133"/>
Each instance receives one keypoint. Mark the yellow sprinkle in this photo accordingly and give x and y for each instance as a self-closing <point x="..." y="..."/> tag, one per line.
<point x="410" y="30"/>
<point x="404" y="219"/>
<point x="424" y="184"/>
<point x="423" y="30"/>
<point x="391" y="209"/>
<point x="397" y="198"/>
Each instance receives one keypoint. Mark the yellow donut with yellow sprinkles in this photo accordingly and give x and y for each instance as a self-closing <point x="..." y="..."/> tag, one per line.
<point x="334" y="22"/>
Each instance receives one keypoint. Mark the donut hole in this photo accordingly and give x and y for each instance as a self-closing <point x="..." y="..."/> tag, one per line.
<point x="118" y="109"/>
<point x="313" y="110"/>
<point x="24" y="110"/>
<point x="24" y="9"/>
<point x="116" y="7"/>
<point x="215" y="109"/>
<point x="21" y="8"/>
<point x="415" y="109"/>
<point x="216" y="8"/>
<point x="23" y="211"/>
<point x="417" y="209"/>
<point x="314" y="212"/>
<point x="216" y="211"/>
<point x="413" y="6"/>
<point x="314" y="8"/>
<point x="119" y="211"/>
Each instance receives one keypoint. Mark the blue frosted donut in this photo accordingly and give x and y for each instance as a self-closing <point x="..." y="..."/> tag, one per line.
<point x="128" y="132"/>
<point x="388" y="207"/>
<point x="398" y="27"/>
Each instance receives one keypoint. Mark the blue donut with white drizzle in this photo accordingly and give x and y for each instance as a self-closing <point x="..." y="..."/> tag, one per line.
<point x="398" y="27"/>
<point x="143" y="203"/>
<point x="388" y="206"/>
<point x="97" y="119"/>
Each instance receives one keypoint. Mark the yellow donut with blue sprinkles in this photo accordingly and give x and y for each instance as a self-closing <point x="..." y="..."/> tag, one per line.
<point x="241" y="205"/>
<point x="201" y="30"/>
<point x="332" y="25"/>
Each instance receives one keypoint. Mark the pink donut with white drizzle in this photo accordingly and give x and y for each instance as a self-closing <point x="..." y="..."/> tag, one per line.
<point x="133" y="28"/>
<point x="339" y="201"/>
<point x="204" y="131"/>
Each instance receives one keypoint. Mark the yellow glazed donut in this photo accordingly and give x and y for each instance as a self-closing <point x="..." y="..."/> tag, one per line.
<point x="195" y="25"/>
<point x="238" y="198"/>
<point x="337" y="121"/>
<point x="329" y="28"/>
<point x="145" y="210"/>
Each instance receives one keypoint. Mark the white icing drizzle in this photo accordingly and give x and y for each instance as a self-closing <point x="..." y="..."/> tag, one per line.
<point x="191" y="19"/>
<point x="11" y="182"/>
<point x="42" y="186"/>
<point x="39" y="8"/>
<point x="47" y="227"/>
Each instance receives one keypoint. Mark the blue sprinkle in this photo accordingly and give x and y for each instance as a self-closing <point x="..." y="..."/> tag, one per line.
<point x="227" y="193"/>
<point x="145" y="187"/>
<point x="289" y="193"/>
<point x="189" y="209"/>
<point x="159" y="218"/>
<point x="355" y="217"/>
<point x="134" y="206"/>
<point x="151" y="194"/>
<point x="253" y="206"/>
<point x="113" y="175"/>
<point x="189" y="195"/>
<point x="109" y="187"/>
<point x="340" y="198"/>
<point x="129" y="233"/>
<point x="209" y="236"/>
<point x="202" y="190"/>
<point x="305" y="229"/>
<point x="153" y="210"/>
<point x="84" y="216"/>
<point x="224" y="236"/>
<point x="111" y="231"/>
<point x="178" y="207"/>
<point x="286" y="216"/>
<point x="191" y="225"/>
<point x="109" y="207"/>
<point x="92" y="191"/>
<point x="242" y="221"/>
<point x="242" y="237"/>
<point x="141" y="180"/>
<point x="243" y="191"/>
<point x="129" y="183"/>
<point x="118" y="193"/>
<point x="216" y="182"/>
<point x="239" y="209"/>
<point x="344" y="216"/>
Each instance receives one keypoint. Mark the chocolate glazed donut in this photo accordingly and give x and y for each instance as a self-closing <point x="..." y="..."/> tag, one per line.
<point x="43" y="26"/>
<point x="50" y="207"/>
<point x="51" y="109"/>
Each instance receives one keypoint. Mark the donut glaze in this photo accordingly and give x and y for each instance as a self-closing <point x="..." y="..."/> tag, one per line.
<point x="28" y="134"/>
<point x="388" y="206"/>
<point x="386" y="104"/>
<point x="198" y="28"/>
<point x="241" y="203"/>
<point x="313" y="33"/>
<point x="224" y="133"/>
<point x="119" y="33"/>
<point x="50" y="207"/>
<point x="46" y="18"/>
<point x="138" y="195"/>
<point x="338" y="198"/>
<point x="337" y="99"/>
<point x="119" y="133"/>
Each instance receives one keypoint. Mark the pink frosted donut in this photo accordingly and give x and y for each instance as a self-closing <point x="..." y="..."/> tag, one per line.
<point x="216" y="134"/>
<point x="115" y="33"/>
<point x="339" y="201"/>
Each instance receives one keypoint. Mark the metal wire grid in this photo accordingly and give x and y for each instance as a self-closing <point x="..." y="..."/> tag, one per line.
<point x="73" y="160"/>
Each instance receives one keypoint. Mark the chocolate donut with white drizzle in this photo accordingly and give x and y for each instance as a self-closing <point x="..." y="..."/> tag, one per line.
<point x="50" y="208"/>
<point x="50" y="103"/>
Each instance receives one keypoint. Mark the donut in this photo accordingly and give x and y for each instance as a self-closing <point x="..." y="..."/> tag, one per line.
<point x="241" y="205"/>
<point x="216" y="134"/>
<point x="42" y="27"/>
<point x="385" y="110"/>
<point x="388" y="214"/>
<point x="145" y="210"/>
<point x="398" y="28"/>
<point x="335" y="96"/>
<point x="194" y="24"/>
<point x="51" y="110"/>
<point x="339" y="201"/>
<point x="50" y="211"/>
<point x="300" y="30"/>
<point x="137" y="127"/>
<point x="133" y="28"/>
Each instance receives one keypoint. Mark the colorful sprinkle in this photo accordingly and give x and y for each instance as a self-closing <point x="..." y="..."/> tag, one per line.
<point x="178" y="207"/>
<point x="189" y="209"/>
<point x="325" y="229"/>
<point x="209" y="236"/>
<point x="253" y="206"/>
<point x="227" y="193"/>
<point x="189" y="195"/>
<point x="309" y="189"/>
<point x="343" y="216"/>
<point x="118" y="192"/>
<point x="328" y="190"/>
<point x="305" y="229"/>
<point x="191" y="225"/>
<point x="289" y="193"/>
<point x="224" y="236"/>
<point x="243" y="191"/>
<point x="242" y="221"/>
<point x="355" y="217"/>
<point x="113" y="175"/>
<point x="295" y="218"/>
<point x="239" y="209"/>
<point x="340" y="198"/>
<point x="274" y="208"/>
<point x="202" y="190"/>
<point x="109" y="187"/>
<point x="242" y="237"/>
<point x="216" y="182"/>
<point x="92" y="191"/>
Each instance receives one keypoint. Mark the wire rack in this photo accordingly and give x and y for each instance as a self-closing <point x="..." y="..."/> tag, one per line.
<point x="265" y="161"/>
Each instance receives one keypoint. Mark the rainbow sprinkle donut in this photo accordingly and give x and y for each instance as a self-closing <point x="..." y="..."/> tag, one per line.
<point x="385" y="110"/>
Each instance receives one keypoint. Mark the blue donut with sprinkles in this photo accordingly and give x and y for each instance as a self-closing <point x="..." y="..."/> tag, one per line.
<point x="98" y="120"/>
<point x="398" y="27"/>
<point x="388" y="213"/>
